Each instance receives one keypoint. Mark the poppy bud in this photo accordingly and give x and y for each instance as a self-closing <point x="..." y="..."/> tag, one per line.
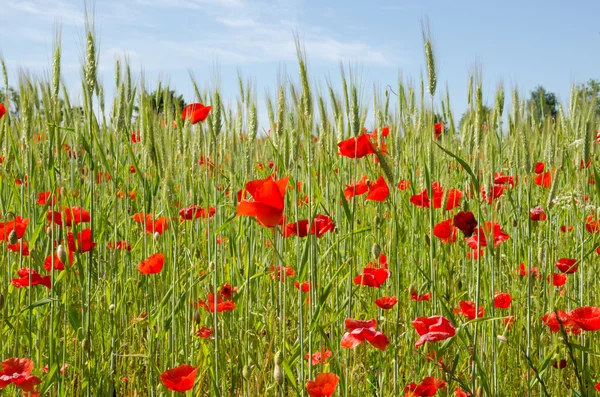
<point x="156" y="236"/>
<point x="277" y="358"/>
<point x="1" y="301"/>
<point x="211" y="267"/>
<point x="12" y="237"/>
<point x="246" y="371"/>
<point x="377" y="220"/>
<point x="197" y="318"/>
<point x="61" y="253"/>
<point x="375" y="251"/>
<point x="427" y="241"/>
<point x="48" y="230"/>
<point x="278" y="374"/>
<point x="502" y="338"/>
<point x="111" y="307"/>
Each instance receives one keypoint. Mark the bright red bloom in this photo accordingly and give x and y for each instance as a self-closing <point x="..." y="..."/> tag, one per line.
<point x="152" y="265"/>
<point x="356" y="147"/>
<point x="566" y="229"/>
<point x="491" y="229"/>
<point x="553" y="322"/>
<point x="438" y="129"/>
<point x="19" y="246"/>
<point x="537" y="214"/>
<point x="46" y="198"/>
<point x="227" y="291"/>
<point x="567" y="265"/>
<point x="467" y="309"/>
<point x="18" y="224"/>
<point x="539" y="167"/>
<point x="591" y="225"/>
<point x="75" y="215"/>
<point x="287" y="271"/>
<point x="299" y="229"/>
<point x="84" y="241"/>
<point x="586" y="317"/>
<point x="433" y="329"/>
<point x="359" y="331"/>
<point x="204" y="332"/>
<point x="427" y="388"/>
<point x="373" y="276"/>
<point x="18" y="371"/>
<point x="195" y="112"/>
<point x="385" y="131"/>
<point x="158" y="225"/>
<point x="403" y="184"/>
<point x="269" y="200"/>
<point x="179" y="379"/>
<point x="494" y="192"/>
<point x="386" y="302"/>
<point x="502" y="301"/>
<point x="466" y="222"/>
<point x="558" y="279"/>
<point x="452" y="198"/>
<point x="356" y="189"/>
<point x="445" y="231"/>
<point x="135" y="137"/>
<point x="221" y="305"/>
<point x="36" y="279"/>
<point x="414" y="296"/>
<point x="321" y="225"/>
<point x="2" y="110"/>
<point x="195" y="211"/>
<point x="58" y="265"/>
<point x="534" y="271"/>
<point x="378" y="191"/>
<point x="318" y="357"/>
<point x="500" y="179"/>
<point x="323" y="386"/>
<point x="544" y="180"/>
<point x="120" y="245"/>
<point x="304" y="287"/>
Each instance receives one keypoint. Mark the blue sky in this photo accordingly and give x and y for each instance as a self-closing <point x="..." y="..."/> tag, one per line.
<point x="522" y="43"/>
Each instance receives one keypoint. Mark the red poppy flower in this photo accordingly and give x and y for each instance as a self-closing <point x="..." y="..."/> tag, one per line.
<point x="537" y="214"/>
<point x="135" y="137"/>
<point x="158" y="225"/>
<point x="286" y="271"/>
<point x="19" y="246"/>
<point x="304" y="287"/>
<point x="356" y="147"/>
<point x="414" y="296"/>
<point x="553" y="322"/>
<point x="597" y="386"/>
<point x="567" y="265"/>
<point x="323" y="386"/>
<point x="318" y="357"/>
<point x="494" y="192"/>
<point x="502" y="301"/>
<point x="359" y="331"/>
<point x="403" y="184"/>
<point x="438" y="129"/>
<point x="558" y="279"/>
<point x="195" y="112"/>
<point x="321" y="224"/>
<point x="36" y="279"/>
<point x="227" y="291"/>
<point x="204" y="332"/>
<point x="534" y="271"/>
<point x="427" y="388"/>
<point x="120" y="245"/>
<point x="2" y="110"/>
<point x="153" y="264"/>
<point x="18" y="224"/>
<point x="586" y="317"/>
<point x="356" y="189"/>
<point x="58" y="265"/>
<point x="539" y="167"/>
<point x="18" y="371"/>
<point x="445" y="231"/>
<point x="84" y="241"/>
<point x="269" y="200"/>
<point x="372" y="277"/>
<point x="566" y="229"/>
<point x="500" y="179"/>
<point x="467" y="309"/>
<point x="433" y="329"/>
<point x="492" y="229"/>
<point x="386" y="302"/>
<point x="299" y="229"/>
<point x="195" y="211"/>
<point x="465" y="222"/>
<point x="44" y="198"/>
<point x="544" y="180"/>
<point x="591" y="225"/>
<point x="559" y="364"/>
<point x="179" y="379"/>
<point x="378" y="191"/>
<point x="221" y="305"/>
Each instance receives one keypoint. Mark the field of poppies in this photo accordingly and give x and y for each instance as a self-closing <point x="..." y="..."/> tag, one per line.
<point x="349" y="248"/>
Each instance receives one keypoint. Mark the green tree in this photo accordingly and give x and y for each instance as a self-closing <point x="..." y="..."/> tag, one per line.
<point x="543" y="103"/>
<point x="166" y="99"/>
<point x="591" y="92"/>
